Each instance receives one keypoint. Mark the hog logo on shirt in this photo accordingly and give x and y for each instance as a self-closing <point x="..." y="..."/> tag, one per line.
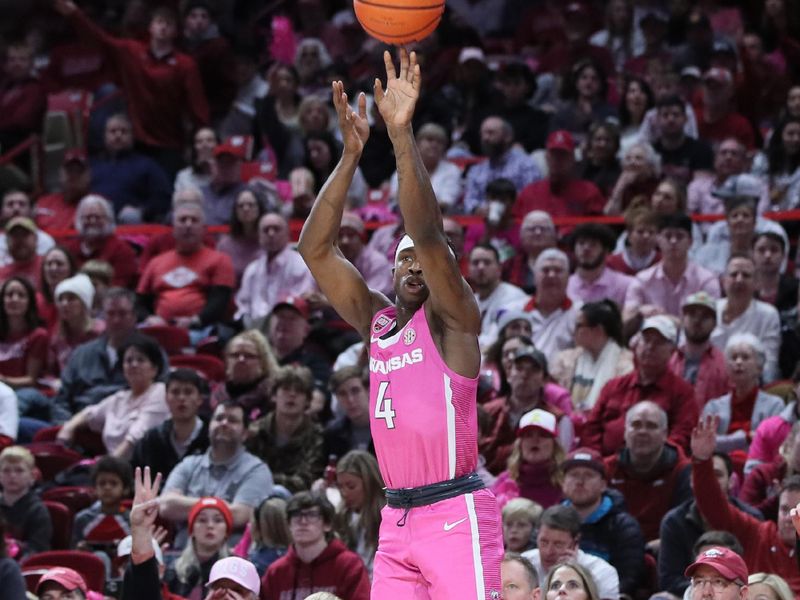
<point x="180" y="277"/>
<point x="409" y="336"/>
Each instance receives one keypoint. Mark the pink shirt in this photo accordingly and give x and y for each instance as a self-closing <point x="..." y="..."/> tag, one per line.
<point x="611" y="284"/>
<point x="770" y="434"/>
<point x="652" y="286"/>
<point x="120" y="417"/>
<point x="423" y="415"/>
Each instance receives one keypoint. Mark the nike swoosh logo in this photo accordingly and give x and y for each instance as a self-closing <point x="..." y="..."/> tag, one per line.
<point x="449" y="526"/>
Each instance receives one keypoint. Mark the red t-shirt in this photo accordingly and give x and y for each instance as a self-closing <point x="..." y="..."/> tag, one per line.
<point x="116" y="252"/>
<point x="16" y="350"/>
<point x="53" y="212"/>
<point x="180" y="282"/>
<point x="576" y="198"/>
<point x="31" y="271"/>
<point x="731" y="125"/>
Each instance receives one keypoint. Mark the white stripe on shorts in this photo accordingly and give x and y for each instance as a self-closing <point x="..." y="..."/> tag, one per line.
<point x="476" y="547"/>
<point x="451" y="428"/>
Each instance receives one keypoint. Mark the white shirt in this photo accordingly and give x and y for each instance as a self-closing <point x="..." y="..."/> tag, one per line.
<point x="493" y="306"/>
<point x="605" y="576"/>
<point x="446" y="181"/>
<point x="9" y="415"/>
<point x="43" y="243"/>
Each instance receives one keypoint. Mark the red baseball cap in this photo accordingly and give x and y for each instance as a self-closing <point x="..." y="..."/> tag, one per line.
<point x="725" y="561"/>
<point x="560" y="140"/>
<point x="298" y="303"/>
<point x="215" y="503"/>
<point x="231" y="147"/>
<point x="69" y="579"/>
<point x="584" y="457"/>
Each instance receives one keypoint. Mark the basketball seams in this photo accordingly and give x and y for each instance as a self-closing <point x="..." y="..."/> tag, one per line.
<point x="405" y="36"/>
<point x="439" y="6"/>
<point x="398" y="22"/>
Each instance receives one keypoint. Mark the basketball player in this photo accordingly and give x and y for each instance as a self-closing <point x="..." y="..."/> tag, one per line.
<point x="440" y="535"/>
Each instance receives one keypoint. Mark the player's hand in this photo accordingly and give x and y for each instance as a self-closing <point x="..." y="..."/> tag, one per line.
<point x="396" y="103"/>
<point x="353" y="125"/>
<point x="64" y="7"/>
<point x="704" y="437"/>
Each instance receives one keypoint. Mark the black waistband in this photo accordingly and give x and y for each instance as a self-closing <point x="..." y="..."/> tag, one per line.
<point x="435" y="492"/>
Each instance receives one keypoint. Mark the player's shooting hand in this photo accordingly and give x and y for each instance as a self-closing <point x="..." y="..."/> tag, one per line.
<point x="396" y="103"/>
<point x="353" y="125"/>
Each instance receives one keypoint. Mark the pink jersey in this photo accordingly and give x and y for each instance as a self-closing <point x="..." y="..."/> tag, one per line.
<point x="424" y="419"/>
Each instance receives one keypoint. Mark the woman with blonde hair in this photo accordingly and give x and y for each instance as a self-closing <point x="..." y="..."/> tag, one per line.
<point x="576" y="580"/>
<point x="768" y="586"/>
<point x="250" y="366"/>
<point x="534" y="467"/>
<point x="358" y="517"/>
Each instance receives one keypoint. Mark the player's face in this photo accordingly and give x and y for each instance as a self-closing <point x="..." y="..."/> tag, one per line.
<point x="516" y="585"/>
<point x="352" y="489"/>
<point x="517" y="534"/>
<point x="409" y="282"/>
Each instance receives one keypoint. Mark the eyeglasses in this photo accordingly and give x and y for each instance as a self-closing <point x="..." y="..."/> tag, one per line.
<point x="242" y="355"/>
<point x="311" y="516"/>
<point x="718" y="584"/>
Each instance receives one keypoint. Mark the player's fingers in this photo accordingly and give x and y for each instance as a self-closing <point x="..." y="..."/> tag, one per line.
<point x="378" y="91"/>
<point x="387" y="61"/>
<point x="416" y="80"/>
<point x="403" y="63"/>
<point x="412" y="66"/>
<point x="362" y="105"/>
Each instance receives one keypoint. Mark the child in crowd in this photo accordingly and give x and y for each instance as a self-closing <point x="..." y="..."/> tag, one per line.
<point x="267" y="536"/>
<point x="107" y="521"/>
<point x="520" y="520"/>
<point x="28" y="521"/>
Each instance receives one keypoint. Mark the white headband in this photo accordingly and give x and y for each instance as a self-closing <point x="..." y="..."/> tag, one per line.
<point x="405" y="243"/>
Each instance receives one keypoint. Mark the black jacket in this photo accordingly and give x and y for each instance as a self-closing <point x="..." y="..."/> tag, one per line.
<point x="337" y="438"/>
<point x="614" y="535"/>
<point x="155" y="449"/>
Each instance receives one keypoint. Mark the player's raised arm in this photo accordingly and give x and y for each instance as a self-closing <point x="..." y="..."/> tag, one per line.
<point x="451" y="297"/>
<point x="336" y="276"/>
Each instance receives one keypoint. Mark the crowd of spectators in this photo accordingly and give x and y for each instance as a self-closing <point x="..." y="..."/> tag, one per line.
<point x="619" y="182"/>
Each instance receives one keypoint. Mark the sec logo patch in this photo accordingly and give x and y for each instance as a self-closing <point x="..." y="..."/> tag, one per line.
<point x="409" y="336"/>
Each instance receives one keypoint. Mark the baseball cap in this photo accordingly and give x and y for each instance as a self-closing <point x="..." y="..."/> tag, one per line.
<point x="512" y="315"/>
<point x="76" y="155"/>
<point x="701" y="299"/>
<point x="71" y="580"/>
<point x="538" y="419"/>
<point x="560" y="140"/>
<point x="233" y="147"/>
<point x="296" y="302"/>
<point x="126" y="544"/>
<point x="718" y="75"/>
<point x="471" y="53"/>
<point x="237" y="570"/>
<point x="584" y="457"/>
<point x="211" y="502"/>
<point x="725" y="561"/>
<point x="530" y="352"/>
<point x="663" y="325"/>
<point x="741" y="185"/>
<point x="353" y="221"/>
<point x="691" y="71"/>
<point x="23" y="222"/>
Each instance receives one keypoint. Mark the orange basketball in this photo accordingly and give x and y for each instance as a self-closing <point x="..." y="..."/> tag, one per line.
<point x="399" y="22"/>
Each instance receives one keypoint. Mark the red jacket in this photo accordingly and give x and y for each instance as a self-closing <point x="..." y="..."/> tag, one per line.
<point x="649" y="497"/>
<point x="759" y="489"/>
<point x="160" y="91"/>
<point x="116" y="252"/>
<point x="22" y="106"/>
<point x="337" y="570"/>
<point x="605" y="427"/>
<point x="763" y="549"/>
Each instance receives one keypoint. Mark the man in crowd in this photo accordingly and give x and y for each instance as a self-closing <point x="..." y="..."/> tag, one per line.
<point x="717" y="118"/>
<point x="57" y="210"/>
<point x="190" y="286"/>
<point x="504" y="160"/>
<point x="373" y="266"/>
<point x="279" y="271"/>
<point x="16" y="203"/>
<point x="226" y="470"/>
<point x="607" y="529"/>
<point x="682" y="527"/>
<point x="349" y="431"/>
<point x="520" y="581"/>
<point x="663" y="287"/>
<point x="134" y="183"/>
<point x="651" y="380"/>
<point x="219" y="194"/>
<point x="183" y="434"/>
<point x="316" y="559"/>
<point x="681" y="156"/>
<point x="557" y="541"/>
<point x="720" y="573"/>
<point x="21" y="241"/>
<point x="696" y="359"/>
<point x="560" y="193"/>
<point x="536" y="233"/>
<point x="94" y="220"/>
<point x="769" y="545"/>
<point x="740" y="312"/>
<point x="491" y="293"/>
<point x="593" y="280"/>
<point x="651" y="472"/>
<point x="552" y="312"/>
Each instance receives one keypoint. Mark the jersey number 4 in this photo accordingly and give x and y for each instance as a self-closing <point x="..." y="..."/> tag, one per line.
<point x="383" y="406"/>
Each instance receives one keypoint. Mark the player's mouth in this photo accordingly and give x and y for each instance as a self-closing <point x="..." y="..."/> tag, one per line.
<point x="415" y="284"/>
